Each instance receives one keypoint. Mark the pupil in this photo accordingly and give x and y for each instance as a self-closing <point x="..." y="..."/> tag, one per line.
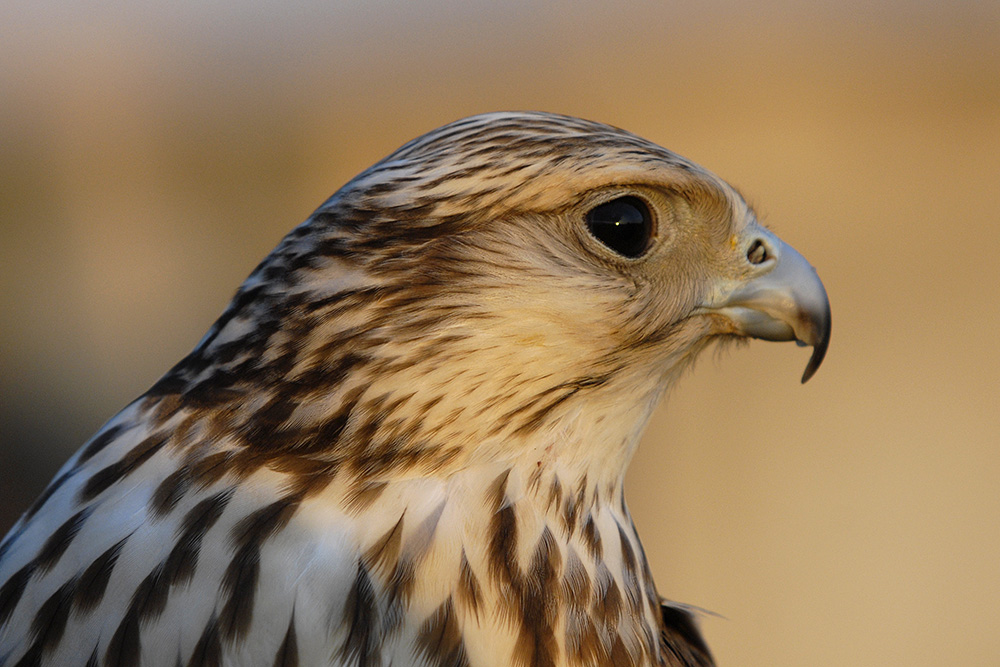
<point x="623" y="224"/>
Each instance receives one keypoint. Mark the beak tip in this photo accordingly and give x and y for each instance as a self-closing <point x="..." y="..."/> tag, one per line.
<point x="819" y="349"/>
<point x="809" y="372"/>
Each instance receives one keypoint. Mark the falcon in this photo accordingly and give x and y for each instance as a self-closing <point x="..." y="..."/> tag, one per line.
<point x="404" y="441"/>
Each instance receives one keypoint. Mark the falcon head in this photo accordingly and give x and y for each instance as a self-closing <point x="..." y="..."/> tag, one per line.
<point x="405" y="439"/>
<point x="509" y="276"/>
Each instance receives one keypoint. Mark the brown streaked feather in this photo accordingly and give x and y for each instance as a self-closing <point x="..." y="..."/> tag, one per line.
<point x="208" y="650"/>
<point x="682" y="638"/>
<point x="180" y="562"/>
<point x="288" y="652"/>
<point x="59" y="541"/>
<point x="470" y="594"/>
<point x="103" y="479"/>
<point x="239" y="584"/>
<point x="440" y="639"/>
<point x="11" y="591"/>
<point x="50" y="622"/>
<point x="361" y="621"/>
<point x="93" y="582"/>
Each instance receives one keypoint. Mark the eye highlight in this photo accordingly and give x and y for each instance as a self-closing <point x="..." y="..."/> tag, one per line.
<point x="624" y="225"/>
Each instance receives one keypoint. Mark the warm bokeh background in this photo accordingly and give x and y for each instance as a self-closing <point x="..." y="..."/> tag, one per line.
<point x="151" y="154"/>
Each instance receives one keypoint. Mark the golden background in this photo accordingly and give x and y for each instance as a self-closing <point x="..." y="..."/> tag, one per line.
<point x="151" y="154"/>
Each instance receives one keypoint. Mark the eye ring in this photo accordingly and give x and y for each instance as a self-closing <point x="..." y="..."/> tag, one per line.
<point x="624" y="225"/>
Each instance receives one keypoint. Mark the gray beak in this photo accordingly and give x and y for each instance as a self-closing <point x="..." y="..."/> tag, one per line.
<point x="787" y="302"/>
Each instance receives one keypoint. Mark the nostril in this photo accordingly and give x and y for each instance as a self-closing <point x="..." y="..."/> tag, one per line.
<point x="757" y="254"/>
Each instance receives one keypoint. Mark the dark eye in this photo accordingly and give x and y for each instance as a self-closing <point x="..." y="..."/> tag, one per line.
<point x="622" y="224"/>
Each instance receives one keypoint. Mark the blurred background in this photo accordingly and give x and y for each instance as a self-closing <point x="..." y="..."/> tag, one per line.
<point x="152" y="153"/>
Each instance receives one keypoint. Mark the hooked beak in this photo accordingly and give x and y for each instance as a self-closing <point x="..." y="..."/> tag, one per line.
<point x="787" y="302"/>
